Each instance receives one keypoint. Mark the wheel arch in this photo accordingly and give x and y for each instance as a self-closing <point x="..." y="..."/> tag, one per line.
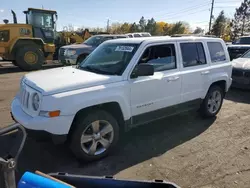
<point x="113" y="108"/>
<point x="221" y="83"/>
<point x="25" y="41"/>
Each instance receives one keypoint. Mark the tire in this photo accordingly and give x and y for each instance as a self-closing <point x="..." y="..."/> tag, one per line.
<point x="85" y="125"/>
<point x="80" y="59"/>
<point x="211" y="106"/>
<point x="14" y="63"/>
<point x="28" y="64"/>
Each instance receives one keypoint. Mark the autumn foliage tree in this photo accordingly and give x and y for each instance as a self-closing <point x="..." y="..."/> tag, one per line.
<point x="151" y="26"/>
<point x="241" y="22"/>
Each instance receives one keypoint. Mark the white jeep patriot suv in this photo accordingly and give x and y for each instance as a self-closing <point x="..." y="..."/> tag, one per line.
<point x="121" y="84"/>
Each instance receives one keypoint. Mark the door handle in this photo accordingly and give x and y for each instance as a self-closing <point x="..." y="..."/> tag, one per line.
<point x="205" y="72"/>
<point x="173" y="78"/>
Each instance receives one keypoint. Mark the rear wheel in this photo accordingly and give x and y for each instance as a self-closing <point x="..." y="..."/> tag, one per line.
<point x="29" y="58"/>
<point x="94" y="136"/>
<point x="14" y="63"/>
<point x="211" y="105"/>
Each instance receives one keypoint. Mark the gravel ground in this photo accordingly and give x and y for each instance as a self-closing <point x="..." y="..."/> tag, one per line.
<point x="184" y="149"/>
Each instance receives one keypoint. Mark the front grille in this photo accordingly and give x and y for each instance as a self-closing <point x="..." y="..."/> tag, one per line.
<point x="241" y="73"/>
<point x="24" y="97"/>
<point x="247" y="74"/>
<point x="61" y="52"/>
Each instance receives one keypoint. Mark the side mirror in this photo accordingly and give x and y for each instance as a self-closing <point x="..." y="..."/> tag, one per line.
<point x="143" y="70"/>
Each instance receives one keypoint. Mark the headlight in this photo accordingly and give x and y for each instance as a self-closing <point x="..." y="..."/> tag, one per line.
<point x="35" y="101"/>
<point x="70" y="52"/>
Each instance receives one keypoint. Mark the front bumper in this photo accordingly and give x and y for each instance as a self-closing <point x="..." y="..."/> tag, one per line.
<point x="67" y="60"/>
<point x="57" y="126"/>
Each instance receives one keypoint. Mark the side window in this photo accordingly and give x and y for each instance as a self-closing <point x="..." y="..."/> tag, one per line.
<point x="137" y="35"/>
<point x="162" y="57"/>
<point x="216" y="51"/>
<point x="193" y="54"/>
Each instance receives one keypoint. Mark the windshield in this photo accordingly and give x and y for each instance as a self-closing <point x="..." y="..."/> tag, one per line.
<point x="96" y="40"/>
<point x="244" y="40"/>
<point x="110" y="58"/>
<point x="43" y="20"/>
<point x="246" y="55"/>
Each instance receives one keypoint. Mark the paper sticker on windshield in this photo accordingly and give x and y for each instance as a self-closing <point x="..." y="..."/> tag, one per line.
<point x="124" y="48"/>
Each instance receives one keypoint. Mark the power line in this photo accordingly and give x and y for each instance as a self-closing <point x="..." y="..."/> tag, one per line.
<point x="181" y="11"/>
<point x="173" y="17"/>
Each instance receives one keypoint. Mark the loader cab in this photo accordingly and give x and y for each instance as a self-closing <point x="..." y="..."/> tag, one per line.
<point x="43" y="23"/>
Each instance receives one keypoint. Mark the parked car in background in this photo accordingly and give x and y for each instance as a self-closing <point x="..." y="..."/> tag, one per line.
<point x="135" y="35"/>
<point x="241" y="71"/>
<point x="75" y="53"/>
<point x="239" y="47"/>
<point x="122" y="84"/>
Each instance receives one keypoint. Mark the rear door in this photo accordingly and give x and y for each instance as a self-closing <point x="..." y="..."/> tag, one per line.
<point x="194" y="70"/>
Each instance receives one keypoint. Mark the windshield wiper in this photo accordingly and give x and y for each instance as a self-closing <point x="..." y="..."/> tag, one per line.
<point x="96" y="70"/>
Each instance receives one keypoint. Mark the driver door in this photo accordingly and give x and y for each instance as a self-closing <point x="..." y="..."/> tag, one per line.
<point x="156" y="96"/>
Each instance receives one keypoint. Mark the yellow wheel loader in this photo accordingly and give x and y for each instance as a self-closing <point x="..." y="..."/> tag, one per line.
<point x="29" y="45"/>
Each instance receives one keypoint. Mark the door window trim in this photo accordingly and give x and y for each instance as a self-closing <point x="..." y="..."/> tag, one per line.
<point x="177" y="58"/>
<point x="194" y="42"/>
<point x="210" y="58"/>
<point x="182" y="68"/>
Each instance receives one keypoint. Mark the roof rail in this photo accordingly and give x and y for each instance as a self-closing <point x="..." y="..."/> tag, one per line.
<point x="192" y="35"/>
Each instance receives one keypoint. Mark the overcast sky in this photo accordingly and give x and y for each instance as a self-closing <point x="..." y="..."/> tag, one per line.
<point x="94" y="13"/>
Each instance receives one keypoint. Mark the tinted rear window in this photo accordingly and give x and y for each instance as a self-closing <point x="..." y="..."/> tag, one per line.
<point x="244" y="40"/>
<point x="193" y="54"/>
<point x="216" y="51"/>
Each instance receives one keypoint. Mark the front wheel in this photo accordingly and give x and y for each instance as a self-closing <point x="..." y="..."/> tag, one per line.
<point x="29" y="58"/>
<point x="211" y="105"/>
<point x="94" y="136"/>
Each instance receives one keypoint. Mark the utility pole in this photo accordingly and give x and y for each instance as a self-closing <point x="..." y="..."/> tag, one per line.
<point x="108" y="25"/>
<point x="211" y="16"/>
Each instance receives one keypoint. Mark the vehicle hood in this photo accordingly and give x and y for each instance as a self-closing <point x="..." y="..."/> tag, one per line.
<point x="241" y="63"/>
<point x="238" y="46"/>
<point x="59" y="80"/>
<point x="77" y="46"/>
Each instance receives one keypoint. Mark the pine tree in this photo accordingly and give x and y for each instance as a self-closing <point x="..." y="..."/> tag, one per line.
<point x="241" y="22"/>
<point x="219" y="25"/>
<point x="142" y="24"/>
<point x="151" y="26"/>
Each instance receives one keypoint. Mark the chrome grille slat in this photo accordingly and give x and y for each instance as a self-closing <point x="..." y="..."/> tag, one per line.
<point x="24" y="98"/>
<point x="27" y="100"/>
